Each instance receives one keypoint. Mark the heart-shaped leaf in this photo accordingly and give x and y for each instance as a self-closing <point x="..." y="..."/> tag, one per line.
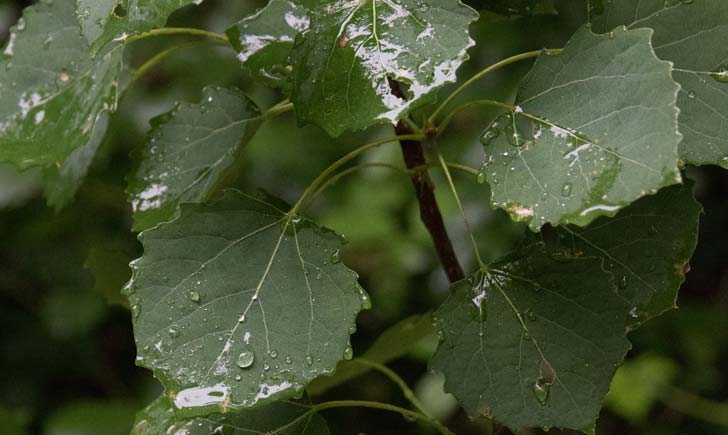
<point x="691" y="35"/>
<point x="594" y="129"/>
<point x="237" y="304"/>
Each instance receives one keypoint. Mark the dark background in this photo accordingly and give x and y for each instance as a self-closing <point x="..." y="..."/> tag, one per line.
<point x="66" y="345"/>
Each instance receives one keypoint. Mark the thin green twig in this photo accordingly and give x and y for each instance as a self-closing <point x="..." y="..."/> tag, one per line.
<point x="383" y="406"/>
<point x="528" y="55"/>
<point x="189" y="31"/>
<point x="448" y="176"/>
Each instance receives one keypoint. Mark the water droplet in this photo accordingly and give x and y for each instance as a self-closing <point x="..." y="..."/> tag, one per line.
<point x="135" y="310"/>
<point x="245" y="359"/>
<point x="266" y="367"/>
<point x="336" y="257"/>
<point x="611" y="35"/>
<point x="490" y="135"/>
<point x="566" y="189"/>
<point x="424" y="7"/>
<point x="289" y="360"/>
<point x="531" y="315"/>
<point x="173" y="332"/>
<point x="721" y="74"/>
<point x="480" y="178"/>
<point x="309" y="360"/>
<point x="273" y="354"/>
<point x="691" y="94"/>
<point x="688" y="2"/>
<point x="652" y="231"/>
<point x="194" y="296"/>
<point x="541" y="392"/>
<point x="238" y="377"/>
<point x="723" y="162"/>
<point x="348" y="353"/>
<point x="623" y="282"/>
<point x="20" y="25"/>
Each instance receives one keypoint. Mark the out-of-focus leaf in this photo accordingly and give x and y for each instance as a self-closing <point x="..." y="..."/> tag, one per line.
<point x="342" y="67"/>
<point x="71" y="313"/>
<point x="264" y="41"/>
<point x="594" y="129"/>
<point x="691" y="35"/>
<point x="52" y="90"/>
<point x="282" y="418"/>
<point x="638" y="384"/>
<point x="393" y="343"/>
<point x="13" y="422"/>
<point x="92" y="418"/>
<point x="16" y="187"/>
<point x="234" y="304"/>
<point x="189" y="152"/>
<point x="110" y="268"/>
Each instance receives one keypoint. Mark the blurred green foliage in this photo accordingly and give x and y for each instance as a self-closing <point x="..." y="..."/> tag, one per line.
<point x="66" y="346"/>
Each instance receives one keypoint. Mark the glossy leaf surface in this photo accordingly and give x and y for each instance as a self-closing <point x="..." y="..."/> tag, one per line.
<point x="264" y="41"/>
<point x="691" y="35"/>
<point x="344" y="64"/>
<point x="279" y="418"/>
<point x="594" y="129"/>
<point x="234" y="305"/>
<point x="188" y="151"/>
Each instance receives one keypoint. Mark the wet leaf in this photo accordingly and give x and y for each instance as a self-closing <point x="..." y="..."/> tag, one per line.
<point x="594" y="129"/>
<point x="108" y="20"/>
<point x="234" y="305"/>
<point x="264" y="41"/>
<point x="344" y="62"/>
<point x="533" y="342"/>
<point x="692" y="35"/>
<point x="646" y="248"/>
<point x="282" y="418"/>
<point x="189" y="152"/>
<point x="52" y="91"/>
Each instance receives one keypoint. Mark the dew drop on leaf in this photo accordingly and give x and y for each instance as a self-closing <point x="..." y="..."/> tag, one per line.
<point x="541" y="392"/>
<point x="721" y="74"/>
<point x="245" y="359"/>
<point x="336" y="257"/>
<point x="691" y="94"/>
<point x="566" y="189"/>
<point x="348" y="353"/>
<point x="173" y="332"/>
<point x="623" y="282"/>
<point x="135" y="310"/>
<point x="194" y="296"/>
<point x="490" y="135"/>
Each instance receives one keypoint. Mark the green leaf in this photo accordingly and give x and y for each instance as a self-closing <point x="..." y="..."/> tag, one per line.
<point x="692" y="35"/>
<point x="61" y="184"/>
<point x="52" y="91"/>
<point x="594" y="129"/>
<point x="646" y="248"/>
<point x="189" y="151"/>
<point x="535" y="339"/>
<point x="91" y="418"/>
<point x="281" y="418"/>
<point x="108" y="20"/>
<point x="343" y="65"/>
<point x="235" y="304"/>
<point x="14" y="421"/>
<point x="509" y="7"/>
<point x="264" y="41"/>
<point x="533" y="342"/>
<point x="639" y="384"/>
<point x="393" y="343"/>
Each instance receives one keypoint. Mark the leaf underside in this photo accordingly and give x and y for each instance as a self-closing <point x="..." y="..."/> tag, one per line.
<point x="234" y="306"/>
<point x="344" y="63"/>
<point x="594" y="129"/>
<point x="692" y="36"/>
<point x="188" y="153"/>
<point x="535" y="340"/>
<point x="280" y="418"/>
